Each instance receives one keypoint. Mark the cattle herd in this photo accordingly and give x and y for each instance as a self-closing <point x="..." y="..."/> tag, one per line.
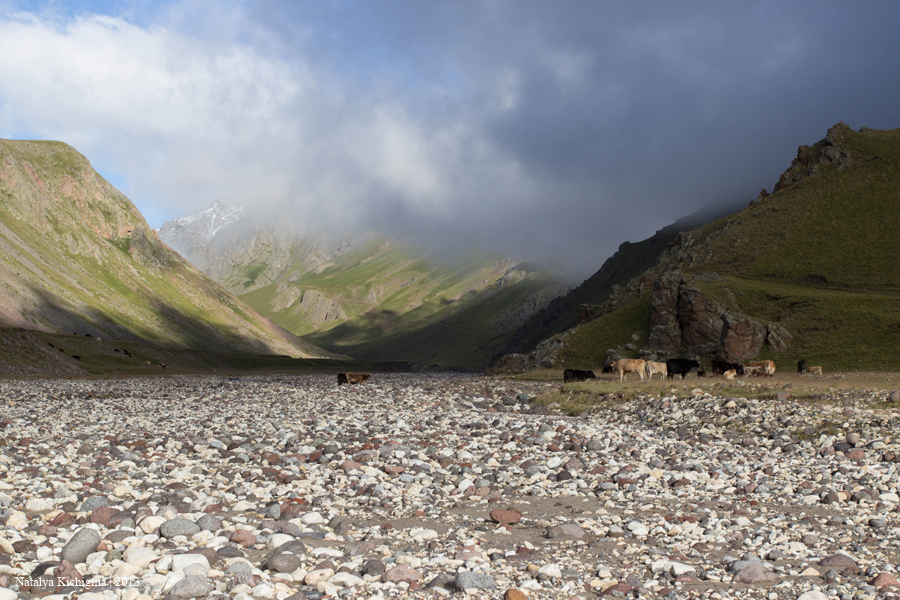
<point x="682" y="366"/>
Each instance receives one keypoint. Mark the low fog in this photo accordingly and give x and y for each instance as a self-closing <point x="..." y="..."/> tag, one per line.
<point x="550" y="131"/>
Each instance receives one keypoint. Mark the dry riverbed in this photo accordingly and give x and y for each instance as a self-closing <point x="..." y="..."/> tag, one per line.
<point x="425" y="486"/>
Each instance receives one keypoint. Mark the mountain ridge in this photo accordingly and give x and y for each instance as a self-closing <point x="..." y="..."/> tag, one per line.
<point x="77" y="256"/>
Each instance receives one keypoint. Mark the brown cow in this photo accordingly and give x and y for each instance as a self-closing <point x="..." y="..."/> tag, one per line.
<point x="629" y="365"/>
<point x="729" y="374"/>
<point x="766" y="367"/>
<point x="353" y="378"/>
<point x="657" y="368"/>
<point x="814" y="371"/>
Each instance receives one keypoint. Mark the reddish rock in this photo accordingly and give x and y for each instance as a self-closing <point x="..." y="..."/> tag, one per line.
<point x="884" y="580"/>
<point x="837" y="560"/>
<point x="514" y="594"/>
<point x="102" y="514"/>
<point x="62" y="520"/>
<point x="856" y="454"/>
<point x="619" y="587"/>
<point x="47" y="530"/>
<point x="217" y="507"/>
<point x="401" y="573"/>
<point x="755" y="573"/>
<point x="67" y="571"/>
<point x="394" y="469"/>
<point x="242" y="537"/>
<point x="506" y="516"/>
<point x="349" y="465"/>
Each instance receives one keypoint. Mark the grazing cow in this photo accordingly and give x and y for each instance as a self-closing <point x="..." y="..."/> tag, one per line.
<point x="162" y="365"/>
<point x="76" y="357"/>
<point x="147" y="362"/>
<point x="815" y="371"/>
<point x="629" y="365"/>
<point x="801" y="367"/>
<point x="767" y="367"/>
<point x="127" y="353"/>
<point x="656" y="368"/>
<point x="729" y="374"/>
<point x="680" y="366"/>
<point x="353" y="378"/>
<point x="607" y="366"/>
<point x="720" y="366"/>
<point x="751" y="370"/>
<point x="570" y="375"/>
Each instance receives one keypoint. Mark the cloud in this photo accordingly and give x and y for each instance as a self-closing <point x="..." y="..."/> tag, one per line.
<point x="522" y="127"/>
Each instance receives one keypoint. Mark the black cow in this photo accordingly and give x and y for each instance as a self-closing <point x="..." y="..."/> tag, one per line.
<point x="342" y="378"/>
<point x="720" y="366"/>
<point x="680" y="366"/>
<point x="801" y="367"/>
<point x="607" y="367"/>
<point x="570" y="375"/>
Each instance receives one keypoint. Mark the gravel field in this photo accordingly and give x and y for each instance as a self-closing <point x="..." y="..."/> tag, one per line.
<point x="425" y="486"/>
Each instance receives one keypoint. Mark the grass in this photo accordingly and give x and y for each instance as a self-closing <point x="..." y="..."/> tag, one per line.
<point x="586" y="348"/>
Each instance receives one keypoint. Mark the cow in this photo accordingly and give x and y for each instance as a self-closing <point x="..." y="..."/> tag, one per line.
<point x="656" y="368"/>
<point x="815" y="371"/>
<point x="751" y="370"/>
<point x="76" y="357"/>
<point x="607" y="366"/>
<point x="629" y="365"/>
<point x="570" y="375"/>
<point x="767" y="367"/>
<point x="147" y="363"/>
<point x="729" y="374"/>
<point x="162" y="365"/>
<point x="353" y="378"/>
<point x="801" y="367"/>
<point x="720" y="366"/>
<point x="680" y="366"/>
<point x="701" y="373"/>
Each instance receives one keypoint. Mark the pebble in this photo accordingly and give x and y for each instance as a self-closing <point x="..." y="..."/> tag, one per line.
<point x="269" y="487"/>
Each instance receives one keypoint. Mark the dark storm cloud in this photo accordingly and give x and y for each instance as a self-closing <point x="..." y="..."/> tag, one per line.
<point x="549" y="130"/>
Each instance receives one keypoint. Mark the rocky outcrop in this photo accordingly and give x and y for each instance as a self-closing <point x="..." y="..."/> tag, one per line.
<point x="831" y="150"/>
<point x="683" y="318"/>
<point x="319" y="308"/>
<point x="534" y="303"/>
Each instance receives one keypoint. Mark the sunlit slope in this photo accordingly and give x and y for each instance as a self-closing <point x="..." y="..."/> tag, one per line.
<point x="76" y="256"/>
<point x="818" y="257"/>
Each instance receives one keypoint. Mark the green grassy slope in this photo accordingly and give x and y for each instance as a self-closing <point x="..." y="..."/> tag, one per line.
<point x="77" y="256"/>
<point x="818" y="258"/>
<point x="629" y="261"/>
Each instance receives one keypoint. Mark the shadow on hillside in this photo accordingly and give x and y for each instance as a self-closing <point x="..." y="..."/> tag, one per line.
<point x="180" y="330"/>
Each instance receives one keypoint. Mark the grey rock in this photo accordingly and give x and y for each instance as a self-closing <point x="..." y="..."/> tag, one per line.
<point x="293" y="546"/>
<point x="468" y="580"/>
<point x="284" y="563"/>
<point x="194" y="586"/>
<point x="170" y="529"/>
<point x="82" y="543"/>
<point x="93" y="502"/>
<point x="565" y="531"/>
<point x="209" y="523"/>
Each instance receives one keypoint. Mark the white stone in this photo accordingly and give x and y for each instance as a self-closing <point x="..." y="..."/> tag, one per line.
<point x="277" y="539"/>
<point x="552" y="571"/>
<point x="151" y="523"/>
<point x="8" y="594"/>
<point x="263" y="591"/>
<point x="180" y="562"/>
<point x="313" y="518"/>
<point x="140" y="556"/>
<point x="344" y="579"/>
<point x="39" y="505"/>
<point x="317" y="576"/>
<point x="171" y="580"/>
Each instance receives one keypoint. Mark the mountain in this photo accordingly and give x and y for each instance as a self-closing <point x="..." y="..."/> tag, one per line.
<point x="810" y="271"/>
<point x="366" y="295"/>
<point x="629" y="261"/>
<point x="76" y="256"/>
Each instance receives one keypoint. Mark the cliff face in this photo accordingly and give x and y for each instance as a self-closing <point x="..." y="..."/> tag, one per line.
<point x="810" y="271"/>
<point x="77" y="256"/>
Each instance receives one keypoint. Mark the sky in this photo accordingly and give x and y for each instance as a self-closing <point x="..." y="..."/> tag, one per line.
<point x="544" y="130"/>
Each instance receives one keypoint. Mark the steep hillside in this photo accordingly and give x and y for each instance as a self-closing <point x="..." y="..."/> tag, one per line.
<point x="810" y="271"/>
<point x="629" y="261"/>
<point x="365" y="295"/>
<point x="76" y="256"/>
